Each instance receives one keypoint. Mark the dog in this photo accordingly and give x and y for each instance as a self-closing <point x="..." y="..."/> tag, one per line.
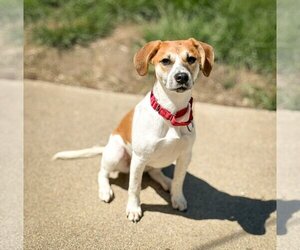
<point x="160" y="129"/>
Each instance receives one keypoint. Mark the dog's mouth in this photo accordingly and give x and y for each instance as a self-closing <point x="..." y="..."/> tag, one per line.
<point x="181" y="89"/>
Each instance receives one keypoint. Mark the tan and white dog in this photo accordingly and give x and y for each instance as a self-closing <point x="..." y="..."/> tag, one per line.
<point x="159" y="130"/>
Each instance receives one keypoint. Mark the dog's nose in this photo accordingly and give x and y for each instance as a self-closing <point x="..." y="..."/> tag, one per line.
<point x="181" y="78"/>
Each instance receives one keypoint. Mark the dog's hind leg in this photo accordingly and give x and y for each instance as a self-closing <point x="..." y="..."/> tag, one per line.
<point x="114" y="158"/>
<point x="157" y="175"/>
<point x="105" y="192"/>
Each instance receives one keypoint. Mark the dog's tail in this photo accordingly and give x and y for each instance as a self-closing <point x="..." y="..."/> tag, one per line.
<point x="82" y="153"/>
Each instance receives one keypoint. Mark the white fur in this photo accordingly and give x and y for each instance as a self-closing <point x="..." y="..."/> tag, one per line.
<point x="82" y="153"/>
<point x="155" y="144"/>
<point x="178" y="68"/>
<point x="159" y="147"/>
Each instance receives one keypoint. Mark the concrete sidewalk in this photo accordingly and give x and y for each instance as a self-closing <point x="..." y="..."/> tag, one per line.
<point x="11" y="164"/>
<point x="230" y="185"/>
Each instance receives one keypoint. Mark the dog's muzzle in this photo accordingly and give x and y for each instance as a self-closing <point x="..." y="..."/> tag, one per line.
<point x="183" y="82"/>
<point x="182" y="78"/>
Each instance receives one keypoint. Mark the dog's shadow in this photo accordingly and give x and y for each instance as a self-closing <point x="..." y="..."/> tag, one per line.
<point x="206" y="202"/>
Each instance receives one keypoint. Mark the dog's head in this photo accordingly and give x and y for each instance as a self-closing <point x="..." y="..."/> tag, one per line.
<point x="177" y="63"/>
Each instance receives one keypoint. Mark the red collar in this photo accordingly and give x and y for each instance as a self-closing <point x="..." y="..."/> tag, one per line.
<point x="168" y="115"/>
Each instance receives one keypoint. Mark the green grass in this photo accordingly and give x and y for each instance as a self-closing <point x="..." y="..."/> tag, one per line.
<point x="65" y="24"/>
<point x="260" y="97"/>
<point x="243" y="32"/>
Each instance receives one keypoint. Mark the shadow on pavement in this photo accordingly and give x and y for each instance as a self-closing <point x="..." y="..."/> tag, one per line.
<point x="285" y="211"/>
<point x="206" y="202"/>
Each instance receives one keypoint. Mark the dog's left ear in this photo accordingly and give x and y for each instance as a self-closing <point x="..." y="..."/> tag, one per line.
<point x="144" y="55"/>
<point x="207" y="55"/>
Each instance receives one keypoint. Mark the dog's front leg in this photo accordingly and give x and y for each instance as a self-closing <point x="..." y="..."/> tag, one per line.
<point x="133" y="210"/>
<point x="177" y="197"/>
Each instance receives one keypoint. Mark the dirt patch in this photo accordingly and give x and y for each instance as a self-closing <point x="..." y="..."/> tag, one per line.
<point x="107" y="64"/>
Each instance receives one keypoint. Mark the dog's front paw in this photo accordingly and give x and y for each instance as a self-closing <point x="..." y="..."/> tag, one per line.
<point x="106" y="194"/>
<point x="133" y="212"/>
<point x="179" y="202"/>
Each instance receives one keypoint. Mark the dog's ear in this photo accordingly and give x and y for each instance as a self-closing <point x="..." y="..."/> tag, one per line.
<point x="207" y="55"/>
<point x="144" y="55"/>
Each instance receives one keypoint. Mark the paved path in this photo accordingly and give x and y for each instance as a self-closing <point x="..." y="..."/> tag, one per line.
<point x="230" y="185"/>
<point x="11" y="164"/>
<point x="288" y="176"/>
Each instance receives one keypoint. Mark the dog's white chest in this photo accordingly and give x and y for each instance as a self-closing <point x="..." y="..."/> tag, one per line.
<point x="168" y="148"/>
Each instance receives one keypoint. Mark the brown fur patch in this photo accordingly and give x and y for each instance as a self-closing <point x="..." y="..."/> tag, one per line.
<point x="144" y="55"/>
<point x="125" y="126"/>
<point x="175" y="47"/>
<point x="202" y="51"/>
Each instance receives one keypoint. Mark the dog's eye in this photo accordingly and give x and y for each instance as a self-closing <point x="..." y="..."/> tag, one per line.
<point x="166" y="61"/>
<point x="191" y="59"/>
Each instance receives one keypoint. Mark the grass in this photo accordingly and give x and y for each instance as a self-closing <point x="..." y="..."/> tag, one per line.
<point x="259" y="97"/>
<point x="243" y="33"/>
<point x="64" y="25"/>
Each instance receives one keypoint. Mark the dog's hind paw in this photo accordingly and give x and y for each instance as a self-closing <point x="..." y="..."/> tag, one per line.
<point x="179" y="202"/>
<point x="166" y="184"/>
